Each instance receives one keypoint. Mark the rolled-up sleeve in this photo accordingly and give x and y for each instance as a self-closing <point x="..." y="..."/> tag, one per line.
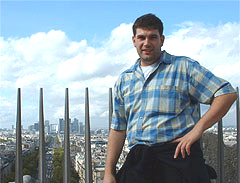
<point x="225" y="90"/>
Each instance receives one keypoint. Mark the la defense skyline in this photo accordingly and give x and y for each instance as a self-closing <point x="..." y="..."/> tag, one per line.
<point x="96" y="122"/>
<point x="76" y="126"/>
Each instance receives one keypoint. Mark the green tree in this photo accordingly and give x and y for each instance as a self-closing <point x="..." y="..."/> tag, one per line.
<point x="58" y="164"/>
<point x="48" y="140"/>
<point x="26" y="171"/>
<point x="9" y="178"/>
<point x="57" y="174"/>
<point x="30" y="164"/>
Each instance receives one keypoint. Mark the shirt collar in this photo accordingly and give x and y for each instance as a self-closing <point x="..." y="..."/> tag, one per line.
<point x="165" y="58"/>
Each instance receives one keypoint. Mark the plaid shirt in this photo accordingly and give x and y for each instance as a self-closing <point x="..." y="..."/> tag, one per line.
<point x="166" y="104"/>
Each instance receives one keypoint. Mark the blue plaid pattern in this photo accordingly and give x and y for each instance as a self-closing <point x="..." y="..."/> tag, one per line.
<point x="165" y="105"/>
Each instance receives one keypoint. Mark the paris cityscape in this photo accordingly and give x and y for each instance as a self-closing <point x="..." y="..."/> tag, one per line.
<point x="54" y="137"/>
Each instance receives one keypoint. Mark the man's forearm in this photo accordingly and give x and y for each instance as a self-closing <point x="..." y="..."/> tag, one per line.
<point x="218" y="109"/>
<point x="115" y="144"/>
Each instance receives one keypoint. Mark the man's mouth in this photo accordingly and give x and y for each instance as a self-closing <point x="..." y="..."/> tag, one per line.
<point x="147" y="51"/>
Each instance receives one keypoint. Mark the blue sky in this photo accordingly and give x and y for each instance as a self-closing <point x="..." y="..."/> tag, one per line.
<point x="94" y="20"/>
<point x="78" y="44"/>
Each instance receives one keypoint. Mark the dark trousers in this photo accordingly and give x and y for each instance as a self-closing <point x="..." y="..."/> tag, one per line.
<point x="156" y="164"/>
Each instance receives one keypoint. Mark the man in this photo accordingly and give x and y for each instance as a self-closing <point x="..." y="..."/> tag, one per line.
<point x="156" y="105"/>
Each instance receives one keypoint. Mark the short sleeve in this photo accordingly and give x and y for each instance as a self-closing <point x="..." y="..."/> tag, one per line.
<point x="204" y="85"/>
<point x="118" y="119"/>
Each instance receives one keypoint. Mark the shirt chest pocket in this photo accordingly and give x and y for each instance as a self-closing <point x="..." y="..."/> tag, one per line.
<point x="169" y="100"/>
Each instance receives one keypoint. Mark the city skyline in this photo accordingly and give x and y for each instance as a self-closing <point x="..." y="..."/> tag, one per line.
<point x="98" y="143"/>
<point x="78" y="44"/>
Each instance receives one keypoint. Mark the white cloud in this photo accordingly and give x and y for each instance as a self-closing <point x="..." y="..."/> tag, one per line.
<point x="52" y="61"/>
<point x="230" y="72"/>
<point x="115" y="54"/>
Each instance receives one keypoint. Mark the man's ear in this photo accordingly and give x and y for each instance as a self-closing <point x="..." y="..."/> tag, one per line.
<point x="162" y="39"/>
<point x="133" y="40"/>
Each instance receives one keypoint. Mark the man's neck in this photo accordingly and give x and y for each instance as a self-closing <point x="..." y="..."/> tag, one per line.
<point x="148" y="63"/>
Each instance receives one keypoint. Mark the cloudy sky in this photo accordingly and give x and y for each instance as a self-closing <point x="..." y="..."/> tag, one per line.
<point x="59" y="44"/>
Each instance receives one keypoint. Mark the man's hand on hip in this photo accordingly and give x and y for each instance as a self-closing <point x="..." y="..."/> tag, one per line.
<point x="185" y="142"/>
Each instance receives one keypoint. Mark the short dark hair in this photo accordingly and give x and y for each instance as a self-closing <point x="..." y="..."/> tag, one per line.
<point x="148" y="21"/>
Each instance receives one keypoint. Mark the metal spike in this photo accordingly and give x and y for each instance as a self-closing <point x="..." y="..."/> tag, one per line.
<point x="88" y="157"/>
<point x="18" y="166"/>
<point x="42" y="152"/>
<point x="220" y="153"/>
<point x="67" y="162"/>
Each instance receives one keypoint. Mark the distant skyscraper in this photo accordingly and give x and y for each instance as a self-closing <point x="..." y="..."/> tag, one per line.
<point x="81" y="128"/>
<point x="61" y="125"/>
<point x="75" y="126"/>
<point x="47" y="126"/>
<point x="36" y="126"/>
<point x="53" y="128"/>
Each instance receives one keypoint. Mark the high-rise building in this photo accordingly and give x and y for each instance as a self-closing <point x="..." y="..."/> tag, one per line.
<point x="61" y="125"/>
<point x="53" y="128"/>
<point x="36" y="126"/>
<point x="47" y="126"/>
<point x="75" y="126"/>
<point x="81" y="128"/>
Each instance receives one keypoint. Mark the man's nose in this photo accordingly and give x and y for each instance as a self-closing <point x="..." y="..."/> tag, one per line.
<point x="147" y="42"/>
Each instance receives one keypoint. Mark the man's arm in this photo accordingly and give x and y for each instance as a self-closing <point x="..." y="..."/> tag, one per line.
<point x="115" y="144"/>
<point x="220" y="106"/>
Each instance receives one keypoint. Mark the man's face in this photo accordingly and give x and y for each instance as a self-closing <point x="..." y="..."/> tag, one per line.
<point x="148" y="43"/>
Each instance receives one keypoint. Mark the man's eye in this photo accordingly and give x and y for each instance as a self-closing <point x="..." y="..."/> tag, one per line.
<point x="141" y="38"/>
<point x="153" y="37"/>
